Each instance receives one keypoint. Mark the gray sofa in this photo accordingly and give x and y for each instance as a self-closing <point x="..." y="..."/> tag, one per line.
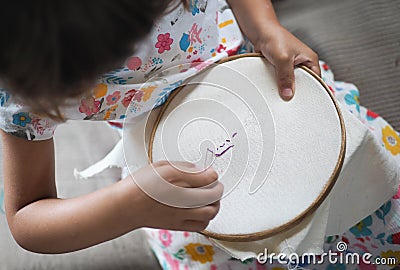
<point x="359" y="39"/>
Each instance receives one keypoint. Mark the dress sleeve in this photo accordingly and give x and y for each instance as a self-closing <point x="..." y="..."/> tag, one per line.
<point x="16" y="119"/>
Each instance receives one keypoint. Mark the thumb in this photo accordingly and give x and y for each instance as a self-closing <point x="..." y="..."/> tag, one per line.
<point x="285" y="78"/>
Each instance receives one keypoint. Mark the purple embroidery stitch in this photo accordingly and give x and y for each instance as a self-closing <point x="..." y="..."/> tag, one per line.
<point x="223" y="152"/>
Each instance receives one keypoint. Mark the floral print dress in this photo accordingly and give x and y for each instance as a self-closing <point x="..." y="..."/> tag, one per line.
<point x="180" y="45"/>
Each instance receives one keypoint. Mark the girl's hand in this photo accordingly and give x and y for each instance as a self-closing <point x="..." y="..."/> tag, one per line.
<point x="284" y="51"/>
<point x="258" y="21"/>
<point x="182" y="174"/>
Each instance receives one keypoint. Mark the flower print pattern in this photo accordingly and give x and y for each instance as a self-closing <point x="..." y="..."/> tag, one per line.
<point x="383" y="211"/>
<point x="361" y="229"/>
<point x="195" y="6"/>
<point x="391" y="254"/>
<point x="184" y="43"/>
<point x="371" y="115"/>
<point x="134" y="63"/>
<point x="89" y="106"/>
<point x="325" y="67"/>
<point x="194" y="34"/>
<point x="164" y="42"/>
<point x="138" y="96"/>
<point x="100" y="90"/>
<point x="171" y="262"/>
<point x="163" y="95"/>
<point x="165" y="237"/>
<point x="147" y="91"/>
<point x="391" y="140"/>
<point x="21" y="119"/>
<point x="395" y="238"/>
<point x="113" y="98"/>
<point x="4" y="97"/>
<point x="128" y="97"/>
<point x="199" y="252"/>
<point x="352" y="98"/>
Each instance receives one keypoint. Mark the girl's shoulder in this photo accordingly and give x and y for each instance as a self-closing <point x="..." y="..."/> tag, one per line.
<point x="16" y="119"/>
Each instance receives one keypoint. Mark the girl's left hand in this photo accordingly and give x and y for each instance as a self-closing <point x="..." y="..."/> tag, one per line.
<point x="285" y="51"/>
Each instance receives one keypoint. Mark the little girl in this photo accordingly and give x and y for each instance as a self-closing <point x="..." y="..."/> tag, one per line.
<point x="49" y="64"/>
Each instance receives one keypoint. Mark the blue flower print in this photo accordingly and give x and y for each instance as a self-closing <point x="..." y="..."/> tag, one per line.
<point x="352" y="98"/>
<point x="21" y="119"/>
<point x="193" y="7"/>
<point x="4" y="96"/>
<point x="361" y="228"/>
<point x="383" y="211"/>
<point x="184" y="43"/>
<point x="162" y="97"/>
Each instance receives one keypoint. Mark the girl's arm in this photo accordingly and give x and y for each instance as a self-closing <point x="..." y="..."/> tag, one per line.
<point x="41" y="222"/>
<point x="259" y="23"/>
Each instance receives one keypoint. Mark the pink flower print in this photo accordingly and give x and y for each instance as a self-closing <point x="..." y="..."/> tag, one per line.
<point x="186" y="234"/>
<point x="134" y="63"/>
<point x="164" y="42"/>
<point x="221" y="48"/>
<point x="165" y="237"/>
<point x="200" y="64"/>
<point x="113" y="98"/>
<point x="174" y="264"/>
<point x="128" y="97"/>
<point x="89" y="106"/>
<point x="138" y="96"/>
<point x="397" y="195"/>
<point x="194" y="34"/>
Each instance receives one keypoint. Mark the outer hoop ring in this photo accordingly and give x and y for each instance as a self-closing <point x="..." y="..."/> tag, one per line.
<point x="314" y="205"/>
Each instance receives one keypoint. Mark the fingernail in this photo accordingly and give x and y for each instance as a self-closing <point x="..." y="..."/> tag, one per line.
<point x="287" y="93"/>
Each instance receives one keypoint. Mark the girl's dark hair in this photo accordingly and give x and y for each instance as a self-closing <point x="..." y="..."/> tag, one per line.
<point x="51" y="49"/>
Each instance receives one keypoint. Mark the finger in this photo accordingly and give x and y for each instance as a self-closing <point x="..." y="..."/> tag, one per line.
<point x="205" y="213"/>
<point x="284" y="69"/>
<point x="194" y="225"/>
<point x="205" y="196"/>
<point x="190" y="176"/>
<point x="310" y="61"/>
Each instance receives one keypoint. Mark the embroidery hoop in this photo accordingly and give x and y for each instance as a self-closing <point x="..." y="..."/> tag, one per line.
<point x="259" y="235"/>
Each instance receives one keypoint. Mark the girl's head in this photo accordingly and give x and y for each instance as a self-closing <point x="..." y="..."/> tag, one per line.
<point x="51" y="50"/>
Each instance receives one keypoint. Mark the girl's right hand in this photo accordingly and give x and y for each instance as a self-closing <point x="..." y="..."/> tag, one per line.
<point x="155" y="214"/>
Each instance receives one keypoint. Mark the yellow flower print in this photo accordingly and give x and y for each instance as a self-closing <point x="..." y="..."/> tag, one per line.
<point x="391" y="140"/>
<point x="147" y="92"/>
<point x="109" y="111"/>
<point x="200" y="253"/>
<point x="100" y="90"/>
<point x="391" y="254"/>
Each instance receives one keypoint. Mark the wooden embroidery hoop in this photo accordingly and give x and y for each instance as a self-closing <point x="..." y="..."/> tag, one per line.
<point x="300" y="217"/>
